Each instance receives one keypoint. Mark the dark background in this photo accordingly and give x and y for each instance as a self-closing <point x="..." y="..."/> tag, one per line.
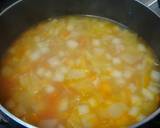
<point x="155" y="123"/>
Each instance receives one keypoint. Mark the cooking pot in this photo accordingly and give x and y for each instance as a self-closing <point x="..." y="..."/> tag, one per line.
<point x="22" y="14"/>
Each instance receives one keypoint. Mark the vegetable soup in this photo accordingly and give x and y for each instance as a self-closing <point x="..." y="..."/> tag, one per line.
<point x="80" y="72"/>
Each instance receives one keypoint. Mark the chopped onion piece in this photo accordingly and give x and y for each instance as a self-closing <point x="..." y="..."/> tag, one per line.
<point x="117" y="74"/>
<point x="96" y="42"/>
<point x="64" y="104"/>
<point x="147" y="94"/>
<point x="70" y="27"/>
<point x="49" y="89"/>
<point x="88" y="120"/>
<point x="155" y="75"/>
<point x="35" y="55"/>
<point x="127" y="74"/>
<point x="54" y="61"/>
<point x="92" y="102"/>
<point x="44" y="50"/>
<point x="41" y="71"/>
<point x="116" y="61"/>
<point x="72" y="44"/>
<point x="77" y="74"/>
<point x="132" y="87"/>
<point x="153" y="89"/>
<point x="96" y="82"/>
<point x="116" y="109"/>
<point x="136" y="100"/>
<point x="141" y="47"/>
<point x="120" y="82"/>
<point x="44" y="72"/>
<point x="116" y="41"/>
<point x="108" y="56"/>
<point x="61" y="54"/>
<point x="134" y="111"/>
<point x="83" y="109"/>
<point x="99" y="51"/>
<point x="59" y="77"/>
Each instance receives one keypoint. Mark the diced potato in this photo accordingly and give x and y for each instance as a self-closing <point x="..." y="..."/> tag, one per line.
<point x="116" y="61"/>
<point x="35" y="56"/>
<point x="76" y="74"/>
<point x="64" y="104"/>
<point x="117" y="74"/>
<point x="72" y="44"/>
<point x="141" y="47"/>
<point x="155" y="75"/>
<point x="83" y="109"/>
<point x="116" y="110"/>
<point x="49" y="89"/>
<point x="132" y="87"/>
<point x="88" y="120"/>
<point x="92" y="102"/>
<point x="147" y="94"/>
<point x="59" y="77"/>
<point x="127" y="74"/>
<point x="54" y="62"/>
<point x="134" y="111"/>
<point x="96" y="42"/>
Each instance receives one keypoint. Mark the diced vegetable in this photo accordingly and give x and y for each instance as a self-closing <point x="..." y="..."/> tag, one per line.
<point x="155" y="75"/>
<point x="116" y="110"/>
<point x="64" y="104"/>
<point x="72" y="44"/>
<point x="83" y="109"/>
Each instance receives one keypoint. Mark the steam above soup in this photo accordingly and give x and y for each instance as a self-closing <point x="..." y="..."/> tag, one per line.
<point x="79" y="72"/>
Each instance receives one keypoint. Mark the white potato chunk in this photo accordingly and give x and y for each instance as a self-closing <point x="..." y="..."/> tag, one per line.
<point x="76" y="74"/>
<point x="83" y="109"/>
<point x="35" y="55"/>
<point x="155" y="75"/>
<point x="59" y="77"/>
<point x="117" y="74"/>
<point x="132" y="87"/>
<point x="127" y="74"/>
<point x="64" y="104"/>
<point x="96" y="42"/>
<point x="141" y="47"/>
<point x="117" y="109"/>
<point x="147" y="94"/>
<point x="116" y="60"/>
<point x="134" y="111"/>
<point x="92" y="102"/>
<point x="49" y="89"/>
<point x="72" y="44"/>
<point x="54" y="62"/>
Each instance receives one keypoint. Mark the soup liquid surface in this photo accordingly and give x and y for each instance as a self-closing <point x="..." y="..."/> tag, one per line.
<point x="79" y="72"/>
